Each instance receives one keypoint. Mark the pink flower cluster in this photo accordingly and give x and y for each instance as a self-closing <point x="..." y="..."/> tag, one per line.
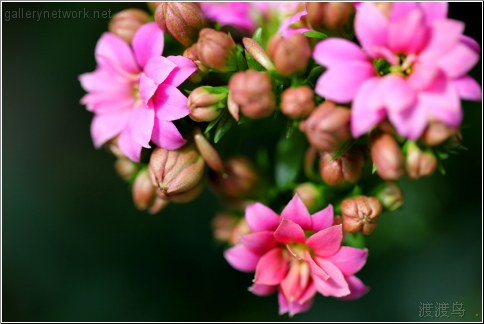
<point x="411" y="69"/>
<point x="298" y="255"/>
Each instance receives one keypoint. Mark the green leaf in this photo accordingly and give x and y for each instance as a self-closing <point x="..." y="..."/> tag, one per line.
<point x="289" y="156"/>
<point x="343" y="149"/>
<point x="225" y="124"/>
<point x="315" y="34"/>
<point x="240" y="59"/>
<point x="258" y="36"/>
<point x="354" y="240"/>
<point x="212" y="124"/>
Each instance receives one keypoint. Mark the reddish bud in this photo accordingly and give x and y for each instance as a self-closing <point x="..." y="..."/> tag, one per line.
<point x="437" y="133"/>
<point x="208" y="152"/>
<point x="360" y="214"/>
<point x="251" y="92"/>
<point x="386" y="156"/>
<point x="297" y="102"/>
<point x="390" y="196"/>
<point x="206" y="103"/>
<point x="144" y="194"/>
<point x="127" y="22"/>
<point x="309" y="194"/>
<point x="125" y="168"/>
<point x="346" y="168"/>
<point x="183" y="20"/>
<point x="192" y="54"/>
<point x="327" y="128"/>
<point x="290" y="55"/>
<point x="229" y="228"/>
<point x="333" y="18"/>
<point x="216" y="50"/>
<point x="419" y="163"/>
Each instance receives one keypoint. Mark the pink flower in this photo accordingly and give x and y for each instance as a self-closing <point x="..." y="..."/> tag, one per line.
<point x="236" y="14"/>
<point x="297" y="254"/>
<point x="422" y="58"/>
<point x="133" y="92"/>
<point x="290" y="25"/>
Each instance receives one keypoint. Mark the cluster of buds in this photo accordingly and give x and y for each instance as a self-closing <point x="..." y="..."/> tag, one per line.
<point x="332" y="18"/>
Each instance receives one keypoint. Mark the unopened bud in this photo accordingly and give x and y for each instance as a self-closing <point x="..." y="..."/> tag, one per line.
<point x="176" y="172"/>
<point x="127" y="22"/>
<point x="229" y="228"/>
<point x="125" y="168"/>
<point x="297" y="102"/>
<point x="188" y="195"/>
<point x="251" y="92"/>
<point x="216" y="49"/>
<point x="334" y="18"/>
<point x="257" y="53"/>
<point x="144" y="193"/>
<point x="437" y="133"/>
<point x="346" y="168"/>
<point x="419" y="163"/>
<point x="290" y="55"/>
<point x="191" y="54"/>
<point x="327" y="128"/>
<point x="390" y="196"/>
<point x="208" y="152"/>
<point x="386" y="156"/>
<point x="206" y="103"/>
<point x="183" y="20"/>
<point x="360" y="214"/>
<point x="309" y="194"/>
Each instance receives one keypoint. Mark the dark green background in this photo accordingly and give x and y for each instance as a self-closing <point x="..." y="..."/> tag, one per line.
<point x="76" y="249"/>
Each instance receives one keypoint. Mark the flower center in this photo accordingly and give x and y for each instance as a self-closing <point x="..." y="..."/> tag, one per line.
<point x="401" y="65"/>
<point x="135" y="93"/>
<point x="297" y="250"/>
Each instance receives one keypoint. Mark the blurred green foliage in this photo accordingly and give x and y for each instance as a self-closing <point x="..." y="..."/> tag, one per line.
<point x="76" y="249"/>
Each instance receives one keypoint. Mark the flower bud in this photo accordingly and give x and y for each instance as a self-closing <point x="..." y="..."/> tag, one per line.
<point x="390" y="196"/>
<point x="144" y="194"/>
<point x="290" y="55"/>
<point x="229" y="228"/>
<point x="327" y="128"/>
<point x="297" y="102"/>
<point x="176" y="172"/>
<point x="206" y="103"/>
<point x="258" y="53"/>
<point x="183" y="20"/>
<point x="419" y="163"/>
<point x="251" y="92"/>
<point x="191" y="54"/>
<point x="125" y="168"/>
<point x="334" y="18"/>
<point x="216" y="50"/>
<point x="346" y="168"/>
<point x="309" y="194"/>
<point x="239" y="181"/>
<point x="386" y="156"/>
<point x="360" y="214"/>
<point x="437" y="133"/>
<point x="189" y="195"/>
<point x="127" y="22"/>
<point x="208" y="152"/>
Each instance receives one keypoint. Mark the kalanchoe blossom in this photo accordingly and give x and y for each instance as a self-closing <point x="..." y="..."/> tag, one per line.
<point x="298" y="255"/>
<point x="292" y="25"/>
<point x="412" y="69"/>
<point x="133" y="92"/>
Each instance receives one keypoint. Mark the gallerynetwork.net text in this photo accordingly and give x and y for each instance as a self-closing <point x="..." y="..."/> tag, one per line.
<point x="39" y="15"/>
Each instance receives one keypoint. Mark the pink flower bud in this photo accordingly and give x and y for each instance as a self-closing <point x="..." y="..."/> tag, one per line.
<point x="125" y="168"/>
<point x="360" y="214"/>
<point x="327" y="128"/>
<point x="437" y="133"/>
<point x="419" y="163"/>
<point x="309" y="194"/>
<point x="390" y="196"/>
<point x="258" y="53"/>
<point x="333" y="18"/>
<point x="206" y="103"/>
<point x="176" y="172"/>
<point x="208" y="152"/>
<point x="386" y="156"/>
<point x="183" y="20"/>
<point x="229" y="228"/>
<point x="127" y="22"/>
<point x="251" y="92"/>
<point x="346" y="168"/>
<point x="144" y="194"/>
<point x="297" y="102"/>
<point x="290" y="55"/>
<point x="216" y="50"/>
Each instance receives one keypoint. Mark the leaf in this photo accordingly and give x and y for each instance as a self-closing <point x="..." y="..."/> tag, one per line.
<point x="289" y="156"/>
<point x="343" y="149"/>
<point x="225" y="124"/>
<point x="258" y="36"/>
<point x="240" y="59"/>
<point x="315" y="34"/>
<point x="354" y="240"/>
<point x="212" y="124"/>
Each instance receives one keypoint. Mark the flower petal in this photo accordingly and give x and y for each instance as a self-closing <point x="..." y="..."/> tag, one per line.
<point x="241" y="258"/>
<point x="261" y="218"/>
<point x="468" y="88"/>
<point x="445" y="35"/>
<point x="107" y="126"/>
<point x="271" y="268"/>
<point x="357" y="288"/>
<point x="259" y="242"/>
<point x="184" y="68"/>
<point x="335" y="285"/>
<point x="297" y="212"/>
<point x="316" y="270"/>
<point x="262" y="290"/>
<point x="113" y="53"/>
<point x="327" y="241"/>
<point x="408" y="34"/>
<point x="170" y="103"/>
<point x="166" y="135"/>
<point x="148" y="42"/>
<point x="141" y="125"/>
<point x="158" y="68"/>
<point x="147" y="88"/>
<point x="349" y="259"/>
<point x="434" y="10"/>
<point x="367" y="110"/>
<point x="458" y="61"/>
<point x="397" y="95"/>
<point x="323" y="218"/>
<point x="334" y="51"/>
<point x="129" y="146"/>
<point x="289" y="232"/>
<point x="295" y="281"/>
<point x="371" y="27"/>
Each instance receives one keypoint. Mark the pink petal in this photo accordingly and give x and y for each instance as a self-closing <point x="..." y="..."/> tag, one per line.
<point x="349" y="260"/>
<point x="289" y="232"/>
<point x="468" y="88"/>
<point x="295" y="281"/>
<point x="323" y="218"/>
<point x="371" y="27"/>
<point x="129" y="146"/>
<point x="294" y="307"/>
<point x="184" y="68"/>
<point x="166" y="135"/>
<point x="340" y="83"/>
<point x="159" y="68"/>
<point x="445" y="35"/>
<point x="283" y="303"/>
<point x="112" y="52"/>
<point x="434" y="10"/>
<point x="397" y="95"/>
<point x="107" y="103"/>
<point x="148" y="42"/>
<point x="366" y="111"/>
<point x="471" y="43"/>
<point x="259" y="242"/>
<point x="458" y="61"/>
<point x="357" y="288"/>
<point x="333" y="51"/>
<point x="271" y="268"/>
<point x="147" y="88"/>
<point x="104" y="82"/>
<point x="316" y="270"/>
<point x="308" y="295"/>
<point x="107" y="126"/>
<point x="400" y="10"/>
<point x="408" y="34"/>
<point x="170" y="103"/>
<point x="262" y="290"/>
<point x="261" y="218"/>
<point x="297" y="212"/>
<point x="423" y="75"/>
<point x="141" y="125"/>
<point x="410" y="123"/>
<point x="241" y="258"/>
<point x="335" y="285"/>
<point x="327" y="241"/>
